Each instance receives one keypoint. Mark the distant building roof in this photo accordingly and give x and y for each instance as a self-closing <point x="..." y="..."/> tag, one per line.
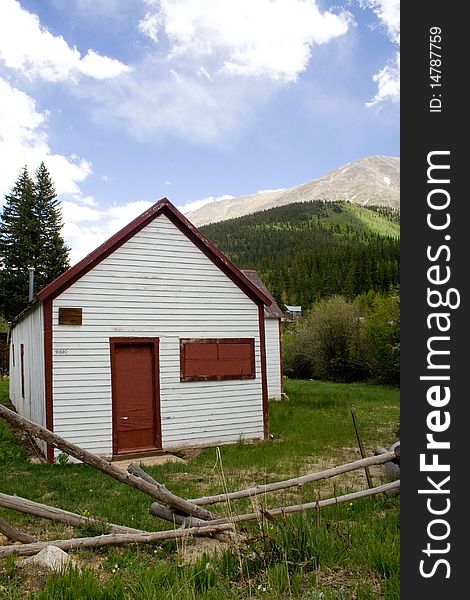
<point x="294" y="308"/>
<point x="273" y="311"/>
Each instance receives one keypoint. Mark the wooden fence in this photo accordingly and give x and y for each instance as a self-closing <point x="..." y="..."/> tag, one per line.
<point x="193" y="518"/>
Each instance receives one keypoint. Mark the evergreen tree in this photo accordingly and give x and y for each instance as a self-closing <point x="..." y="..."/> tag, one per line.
<point x="307" y="251"/>
<point x="29" y="237"/>
<point x="52" y="258"/>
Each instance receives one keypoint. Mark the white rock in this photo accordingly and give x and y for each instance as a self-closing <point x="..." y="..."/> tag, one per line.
<point x="52" y="558"/>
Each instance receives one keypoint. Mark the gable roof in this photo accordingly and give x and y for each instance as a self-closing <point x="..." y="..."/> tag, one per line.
<point x="273" y="311"/>
<point x="162" y="207"/>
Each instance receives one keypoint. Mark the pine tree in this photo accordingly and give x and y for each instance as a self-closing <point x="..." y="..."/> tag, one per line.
<point x="52" y="258"/>
<point x="16" y="230"/>
<point x="29" y="237"/>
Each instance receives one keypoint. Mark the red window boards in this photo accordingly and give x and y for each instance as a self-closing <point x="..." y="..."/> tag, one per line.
<point x="217" y="359"/>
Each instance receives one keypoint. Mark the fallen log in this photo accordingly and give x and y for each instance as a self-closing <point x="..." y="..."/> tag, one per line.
<point x="286" y="510"/>
<point x="29" y="507"/>
<point x="157" y="510"/>
<point x="14" y="534"/>
<point x="158" y="491"/>
<point x="165" y="513"/>
<point x="115" y="539"/>
<point x="296" y="481"/>
<point x="162" y="512"/>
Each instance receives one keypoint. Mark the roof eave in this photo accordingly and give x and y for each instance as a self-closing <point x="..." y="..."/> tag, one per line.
<point x="163" y="206"/>
<point x="19" y="317"/>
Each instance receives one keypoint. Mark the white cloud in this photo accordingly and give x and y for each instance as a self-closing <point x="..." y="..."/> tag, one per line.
<point x="24" y="141"/>
<point x="18" y="115"/>
<point x="101" y="67"/>
<point x="88" y="200"/>
<point x="100" y="8"/>
<point x="196" y="83"/>
<point x="203" y="73"/>
<point x="82" y="239"/>
<point x="73" y="212"/>
<point x="28" y="47"/>
<point x="388" y="78"/>
<point x="121" y="215"/>
<point x="272" y="38"/>
<point x="388" y="83"/>
<point x="190" y="207"/>
<point x="154" y="102"/>
<point x="68" y="172"/>
<point x="388" y="13"/>
<point x="150" y="25"/>
<point x="85" y="229"/>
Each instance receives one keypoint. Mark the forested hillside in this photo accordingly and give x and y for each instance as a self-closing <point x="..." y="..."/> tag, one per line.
<point x="311" y="250"/>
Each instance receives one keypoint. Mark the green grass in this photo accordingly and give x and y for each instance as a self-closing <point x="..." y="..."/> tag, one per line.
<point x="343" y="552"/>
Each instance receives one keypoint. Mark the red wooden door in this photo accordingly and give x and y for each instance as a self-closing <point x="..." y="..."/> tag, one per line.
<point x="135" y="389"/>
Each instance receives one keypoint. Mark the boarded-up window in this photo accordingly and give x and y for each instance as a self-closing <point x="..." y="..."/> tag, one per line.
<point x="70" y="316"/>
<point x="217" y="359"/>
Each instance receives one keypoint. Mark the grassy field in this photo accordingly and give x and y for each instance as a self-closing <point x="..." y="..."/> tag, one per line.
<point x="346" y="552"/>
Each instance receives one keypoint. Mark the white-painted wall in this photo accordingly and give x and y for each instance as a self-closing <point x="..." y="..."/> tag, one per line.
<point x="158" y="284"/>
<point x="273" y="358"/>
<point x="30" y="333"/>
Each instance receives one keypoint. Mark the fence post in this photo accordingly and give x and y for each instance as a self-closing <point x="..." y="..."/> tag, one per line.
<point x="360" y="442"/>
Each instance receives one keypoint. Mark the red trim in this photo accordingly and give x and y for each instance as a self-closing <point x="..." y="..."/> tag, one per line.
<point x="280" y="356"/>
<point x="216" y="341"/>
<point x="264" y="377"/>
<point x="165" y="207"/>
<point x="155" y="342"/>
<point x="273" y="311"/>
<point x="47" y="314"/>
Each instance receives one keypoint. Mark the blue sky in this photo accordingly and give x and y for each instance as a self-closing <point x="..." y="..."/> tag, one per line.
<point x="195" y="100"/>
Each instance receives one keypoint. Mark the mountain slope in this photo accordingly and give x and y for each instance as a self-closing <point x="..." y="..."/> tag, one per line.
<point x="306" y="251"/>
<point x="374" y="180"/>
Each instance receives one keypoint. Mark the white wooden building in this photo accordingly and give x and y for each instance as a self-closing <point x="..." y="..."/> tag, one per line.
<point x="153" y="341"/>
<point x="293" y="312"/>
<point x="273" y="316"/>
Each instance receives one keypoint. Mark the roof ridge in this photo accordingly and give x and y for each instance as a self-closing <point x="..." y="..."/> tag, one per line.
<point x="163" y="206"/>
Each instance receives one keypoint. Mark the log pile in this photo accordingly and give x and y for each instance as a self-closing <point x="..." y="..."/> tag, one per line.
<point x="190" y="516"/>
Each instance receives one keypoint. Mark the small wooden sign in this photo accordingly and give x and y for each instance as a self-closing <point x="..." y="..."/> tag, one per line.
<point x="70" y="316"/>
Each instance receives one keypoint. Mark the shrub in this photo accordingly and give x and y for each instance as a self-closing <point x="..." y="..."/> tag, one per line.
<point x="383" y="339"/>
<point x="346" y="341"/>
<point x="327" y="343"/>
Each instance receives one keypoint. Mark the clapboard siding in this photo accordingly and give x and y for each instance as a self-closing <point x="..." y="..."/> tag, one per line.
<point x="204" y="289"/>
<point x="30" y="333"/>
<point x="273" y="354"/>
<point x="157" y="284"/>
